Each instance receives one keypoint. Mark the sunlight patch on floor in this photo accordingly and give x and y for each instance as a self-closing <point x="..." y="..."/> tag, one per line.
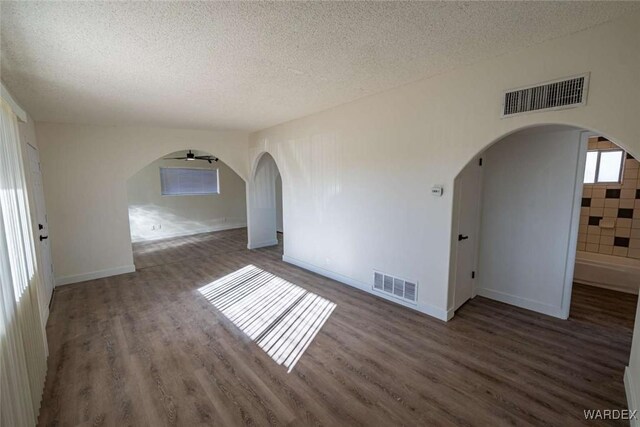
<point x="282" y="318"/>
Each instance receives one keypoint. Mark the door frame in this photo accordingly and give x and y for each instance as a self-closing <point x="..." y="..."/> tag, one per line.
<point x="572" y="243"/>
<point x="574" y="225"/>
<point x="33" y="208"/>
<point x="456" y="230"/>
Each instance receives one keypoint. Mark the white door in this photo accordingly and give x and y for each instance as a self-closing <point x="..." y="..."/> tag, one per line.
<point x="41" y="232"/>
<point x="468" y="189"/>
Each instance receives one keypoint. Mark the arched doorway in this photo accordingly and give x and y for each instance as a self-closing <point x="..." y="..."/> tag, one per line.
<point x="265" y="203"/>
<point x="516" y="219"/>
<point x="183" y="193"/>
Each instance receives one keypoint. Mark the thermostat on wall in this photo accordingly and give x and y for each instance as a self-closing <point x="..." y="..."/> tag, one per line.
<point x="436" y="190"/>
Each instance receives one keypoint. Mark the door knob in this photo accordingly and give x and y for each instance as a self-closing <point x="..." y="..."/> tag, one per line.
<point x="40" y="226"/>
<point x="43" y="238"/>
<point x="461" y="237"/>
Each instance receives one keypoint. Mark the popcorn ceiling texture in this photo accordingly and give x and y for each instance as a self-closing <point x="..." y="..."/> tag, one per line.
<point x="248" y="66"/>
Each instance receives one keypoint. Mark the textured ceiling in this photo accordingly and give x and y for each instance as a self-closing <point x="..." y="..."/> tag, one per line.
<point x="251" y="65"/>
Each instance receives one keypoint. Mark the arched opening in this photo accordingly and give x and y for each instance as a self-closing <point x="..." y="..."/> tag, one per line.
<point x="184" y="193"/>
<point x="265" y="213"/>
<point x="522" y="208"/>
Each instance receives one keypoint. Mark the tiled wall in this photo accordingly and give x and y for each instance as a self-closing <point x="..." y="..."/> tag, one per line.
<point x="617" y="202"/>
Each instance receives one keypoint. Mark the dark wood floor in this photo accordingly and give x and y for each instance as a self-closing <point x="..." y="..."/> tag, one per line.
<point x="148" y="349"/>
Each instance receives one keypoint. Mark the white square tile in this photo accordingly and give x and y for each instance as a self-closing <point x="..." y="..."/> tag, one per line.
<point x="607" y="231"/>
<point x="620" y="251"/>
<point x="598" y="192"/>
<point x="593" y="238"/>
<point x="610" y="213"/>
<point x="604" y="249"/>
<point x="584" y="210"/>
<point x="636" y="213"/>
<point x="634" y="243"/>
<point x="627" y="203"/>
<point x="635" y="223"/>
<point x="605" y="240"/>
<point x="630" y="183"/>
<point x="634" y="253"/>
<point x="587" y="190"/>
<point x="611" y="203"/>
<point x="604" y="144"/>
<point x="637" y="205"/>
<point x="623" y="223"/>
<point x="581" y="246"/>
<point x="582" y="238"/>
<point x="635" y="233"/>
<point x="630" y="173"/>
<point x="591" y="247"/>
<point x="597" y="203"/>
<point x="631" y="164"/>
<point x="596" y="211"/>
<point x="623" y="232"/>
<point x="593" y="229"/>
<point x="628" y="193"/>
<point x="583" y="228"/>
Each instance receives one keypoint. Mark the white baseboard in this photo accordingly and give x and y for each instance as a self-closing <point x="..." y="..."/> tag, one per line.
<point x="67" y="280"/>
<point x="632" y="400"/>
<point x="262" y="244"/>
<point x="522" y="302"/>
<point x="422" y="308"/>
<point x="192" y="232"/>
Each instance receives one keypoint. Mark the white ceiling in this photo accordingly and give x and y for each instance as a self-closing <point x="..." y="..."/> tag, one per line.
<point x="252" y="65"/>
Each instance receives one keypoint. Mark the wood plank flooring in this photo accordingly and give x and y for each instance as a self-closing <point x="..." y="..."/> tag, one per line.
<point x="147" y="349"/>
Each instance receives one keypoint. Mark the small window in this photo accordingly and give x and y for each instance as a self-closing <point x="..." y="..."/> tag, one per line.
<point x="603" y="166"/>
<point x="188" y="181"/>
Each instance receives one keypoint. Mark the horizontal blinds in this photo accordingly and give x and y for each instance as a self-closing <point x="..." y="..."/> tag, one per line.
<point x="188" y="181"/>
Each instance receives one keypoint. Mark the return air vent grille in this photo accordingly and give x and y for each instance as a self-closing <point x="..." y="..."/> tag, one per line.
<point x="559" y="94"/>
<point x="395" y="286"/>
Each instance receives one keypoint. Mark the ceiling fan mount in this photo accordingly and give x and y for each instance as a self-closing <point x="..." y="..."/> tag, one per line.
<point x="191" y="156"/>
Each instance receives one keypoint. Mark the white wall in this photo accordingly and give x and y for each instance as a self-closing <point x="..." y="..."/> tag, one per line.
<point x="279" y="221"/>
<point x="262" y="214"/>
<point x="154" y="216"/>
<point x="363" y="171"/>
<point x="85" y="169"/>
<point x="528" y="194"/>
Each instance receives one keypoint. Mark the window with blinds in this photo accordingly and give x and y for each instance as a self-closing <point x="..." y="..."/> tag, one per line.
<point x="188" y="181"/>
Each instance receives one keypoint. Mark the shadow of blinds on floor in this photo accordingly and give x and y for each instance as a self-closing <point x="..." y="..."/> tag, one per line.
<point x="282" y="318"/>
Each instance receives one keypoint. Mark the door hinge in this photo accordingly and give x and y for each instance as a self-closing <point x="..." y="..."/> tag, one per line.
<point x="473" y="274"/>
<point x="480" y="161"/>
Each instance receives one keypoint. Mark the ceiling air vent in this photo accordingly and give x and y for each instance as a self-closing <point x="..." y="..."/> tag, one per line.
<point x="395" y="286"/>
<point x="555" y="95"/>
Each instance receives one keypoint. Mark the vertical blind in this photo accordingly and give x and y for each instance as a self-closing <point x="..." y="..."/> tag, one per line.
<point x="188" y="181"/>
<point x="23" y="351"/>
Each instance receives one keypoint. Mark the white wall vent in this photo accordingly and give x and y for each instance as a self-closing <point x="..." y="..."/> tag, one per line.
<point x="559" y="94"/>
<point x="399" y="288"/>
